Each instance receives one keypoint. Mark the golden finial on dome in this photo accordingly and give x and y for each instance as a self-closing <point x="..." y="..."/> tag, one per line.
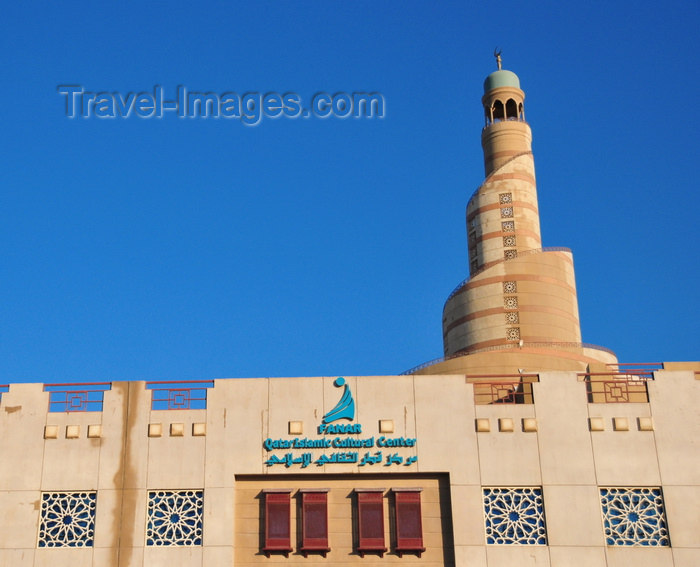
<point x="497" y="55"/>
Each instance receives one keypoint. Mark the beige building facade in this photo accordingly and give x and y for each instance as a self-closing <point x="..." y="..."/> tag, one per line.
<point x="522" y="446"/>
<point x="552" y="479"/>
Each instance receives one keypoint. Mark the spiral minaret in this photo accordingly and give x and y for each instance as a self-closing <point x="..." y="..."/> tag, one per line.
<point x="519" y="295"/>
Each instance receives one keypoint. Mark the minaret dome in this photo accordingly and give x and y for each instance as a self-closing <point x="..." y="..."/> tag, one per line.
<point x="501" y="78"/>
<point x="506" y="133"/>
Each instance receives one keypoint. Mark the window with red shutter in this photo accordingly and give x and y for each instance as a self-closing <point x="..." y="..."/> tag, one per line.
<point x="314" y="521"/>
<point x="409" y="528"/>
<point x="370" y="519"/>
<point x="277" y="521"/>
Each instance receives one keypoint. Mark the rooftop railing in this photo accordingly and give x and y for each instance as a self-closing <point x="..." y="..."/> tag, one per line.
<point x="513" y="392"/>
<point x="179" y="395"/>
<point x="624" y="383"/>
<point x="642" y="369"/>
<point x="506" y="347"/>
<point x="620" y="391"/>
<point x="73" y="397"/>
<point x="488" y="265"/>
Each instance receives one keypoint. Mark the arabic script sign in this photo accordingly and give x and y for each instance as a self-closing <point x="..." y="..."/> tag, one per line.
<point x="344" y="409"/>
<point x="305" y="459"/>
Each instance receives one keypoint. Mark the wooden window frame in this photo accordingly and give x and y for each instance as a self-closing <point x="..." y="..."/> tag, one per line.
<point x="314" y="506"/>
<point x="408" y="516"/>
<point x="370" y="500"/>
<point x="277" y="501"/>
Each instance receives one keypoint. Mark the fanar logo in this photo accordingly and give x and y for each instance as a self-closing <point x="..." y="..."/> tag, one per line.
<point x="344" y="409"/>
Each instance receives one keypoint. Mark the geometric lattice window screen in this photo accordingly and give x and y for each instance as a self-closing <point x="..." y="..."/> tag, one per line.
<point x="510" y="302"/>
<point x="634" y="516"/>
<point x="510" y="287"/>
<point x="175" y="517"/>
<point x="67" y="519"/>
<point x="514" y="516"/>
<point x="507" y="212"/>
<point x="505" y="198"/>
<point x="508" y="226"/>
<point x="512" y="317"/>
<point x="513" y="334"/>
<point x="510" y="254"/>
<point x="509" y="241"/>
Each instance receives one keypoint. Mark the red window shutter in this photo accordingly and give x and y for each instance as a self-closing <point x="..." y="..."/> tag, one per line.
<point x="409" y="528"/>
<point x="277" y="523"/>
<point x="370" y="517"/>
<point x="314" y="512"/>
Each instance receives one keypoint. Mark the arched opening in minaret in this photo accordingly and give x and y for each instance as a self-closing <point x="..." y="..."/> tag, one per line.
<point x="511" y="109"/>
<point x="498" y="111"/>
<point x="488" y="114"/>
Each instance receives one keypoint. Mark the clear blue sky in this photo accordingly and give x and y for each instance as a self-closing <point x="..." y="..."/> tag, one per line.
<point x="178" y="249"/>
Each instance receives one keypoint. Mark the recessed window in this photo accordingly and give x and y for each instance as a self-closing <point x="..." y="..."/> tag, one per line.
<point x="370" y="519"/>
<point x="634" y="516"/>
<point x="277" y="522"/>
<point x="314" y="521"/>
<point x="514" y="516"/>
<point x="511" y="109"/>
<point x="175" y="517"/>
<point x="498" y="111"/>
<point x="409" y="526"/>
<point x="67" y="519"/>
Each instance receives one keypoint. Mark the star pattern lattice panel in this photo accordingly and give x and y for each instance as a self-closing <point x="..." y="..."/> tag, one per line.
<point x="513" y="334"/>
<point x="67" y="519"/>
<point x="514" y="516"/>
<point x="634" y="516"/>
<point x="510" y="287"/>
<point x="175" y="517"/>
